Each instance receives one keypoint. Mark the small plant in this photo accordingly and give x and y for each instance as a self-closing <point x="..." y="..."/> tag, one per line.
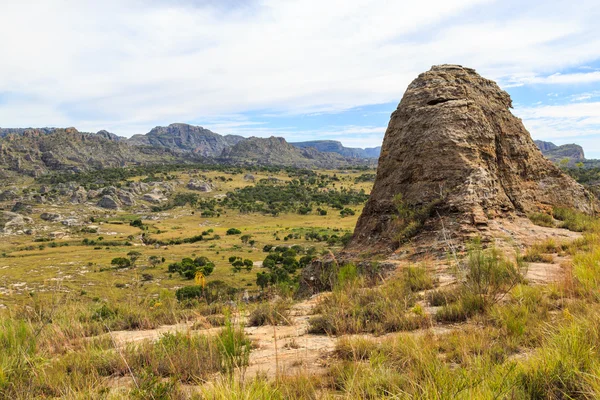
<point x="275" y="313"/>
<point x="233" y="231"/>
<point x="541" y="219"/>
<point x="417" y="279"/>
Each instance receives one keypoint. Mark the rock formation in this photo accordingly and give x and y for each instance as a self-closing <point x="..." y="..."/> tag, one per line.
<point x="454" y="151"/>
<point x="199" y="186"/>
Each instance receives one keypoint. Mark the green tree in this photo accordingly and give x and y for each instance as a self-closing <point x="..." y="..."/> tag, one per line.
<point x="121" y="262"/>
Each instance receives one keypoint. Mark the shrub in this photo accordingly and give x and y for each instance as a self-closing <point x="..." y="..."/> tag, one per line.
<point x="233" y="231"/>
<point x="347" y="211"/>
<point x="576" y="221"/>
<point x="489" y="275"/>
<point x="441" y="297"/>
<point x="271" y="313"/>
<point x="121" y="262"/>
<point x="189" y="292"/>
<point x="355" y="308"/>
<point x="417" y="278"/>
<point x="541" y="219"/>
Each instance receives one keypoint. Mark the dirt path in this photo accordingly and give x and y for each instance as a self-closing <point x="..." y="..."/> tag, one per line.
<point x="287" y="349"/>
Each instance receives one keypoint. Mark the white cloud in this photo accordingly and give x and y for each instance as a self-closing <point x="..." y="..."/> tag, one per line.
<point x="128" y="65"/>
<point x="568" y="123"/>
<point x="557" y="78"/>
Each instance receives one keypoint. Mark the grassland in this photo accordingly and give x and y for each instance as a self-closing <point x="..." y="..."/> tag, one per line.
<point x="486" y="333"/>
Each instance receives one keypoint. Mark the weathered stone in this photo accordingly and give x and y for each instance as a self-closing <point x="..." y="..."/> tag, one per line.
<point x="11" y="222"/>
<point x="8" y="195"/>
<point x="199" y="186"/>
<point x="48" y="216"/>
<point x="453" y="146"/>
<point x="108" y="202"/>
<point x="126" y="198"/>
<point x="22" y="208"/>
<point x="79" y="196"/>
<point x="155" y="196"/>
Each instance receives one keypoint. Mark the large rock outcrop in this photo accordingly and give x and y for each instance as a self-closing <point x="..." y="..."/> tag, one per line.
<point x="453" y="147"/>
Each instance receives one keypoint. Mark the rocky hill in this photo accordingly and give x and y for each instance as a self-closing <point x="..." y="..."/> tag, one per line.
<point x="187" y="138"/>
<point x="333" y="146"/>
<point x="277" y="151"/>
<point x="555" y="153"/>
<point x="35" y="152"/>
<point x="453" y="160"/>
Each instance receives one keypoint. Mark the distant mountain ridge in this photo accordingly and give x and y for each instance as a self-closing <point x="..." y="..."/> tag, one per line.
<point x="277" y="151"/>
<point x="187" y="138"/>
<point x="333" y="146"/>
<point x="34" y="152"/>
<point x="555" y="153"/>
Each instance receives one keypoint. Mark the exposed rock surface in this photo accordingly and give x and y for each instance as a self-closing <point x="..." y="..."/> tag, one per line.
<point x="108" y="202"/>
<point x="333" y="146"/>
<point x="126" y="198"/>
<point x="199" y="186"/>
<point x="186" y="138"/>
<point x="11" y="222"/>
<point x="155" y="196"/>
<point x="277" y="151"/>
<point x="49" y="216"/>
<point x="573" y="152"/>
<point x="453" y="142"/>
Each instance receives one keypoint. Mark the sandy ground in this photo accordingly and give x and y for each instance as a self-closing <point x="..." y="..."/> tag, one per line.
<point x="290" y="349"/>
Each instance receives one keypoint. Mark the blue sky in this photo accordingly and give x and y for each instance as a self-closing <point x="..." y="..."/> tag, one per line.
<point x="304" y="70"/>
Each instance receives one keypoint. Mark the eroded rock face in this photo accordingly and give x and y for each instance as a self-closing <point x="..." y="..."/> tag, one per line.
<point x="453" y="142"/>
<point x="49" y="216"/>
<point x="199" y="186"/>
<point x="108" y="202"/>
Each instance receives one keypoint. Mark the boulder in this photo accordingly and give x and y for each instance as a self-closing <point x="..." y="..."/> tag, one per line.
<point x="155" y="196"/>
<point x="22" y="208"/>
<point x="455" y="154"/>
<point x="49" y="216"/>
<point x="200" y="186"/>
<point x="126" y="198"/>
<point x="8" y="195"/>
<point x="108" y="202"/>
<point x="79" y="196"/>
<point x="11" y="222"/>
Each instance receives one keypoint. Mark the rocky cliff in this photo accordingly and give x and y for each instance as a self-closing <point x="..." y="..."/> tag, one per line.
<point x="187" y="138"/>
<point x="35" y="152"/>
<point x="454" y="154"/>
<point x="573" y="152"/>
<point x="333" y="146"/>
<point x="277" y="151"/>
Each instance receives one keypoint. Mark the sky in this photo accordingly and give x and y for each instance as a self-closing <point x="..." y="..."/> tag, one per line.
<point x="302" y="69"/>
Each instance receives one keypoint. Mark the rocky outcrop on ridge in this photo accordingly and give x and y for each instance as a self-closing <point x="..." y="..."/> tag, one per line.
<point x="572" y="152"/>
<point x="454" y="151"/>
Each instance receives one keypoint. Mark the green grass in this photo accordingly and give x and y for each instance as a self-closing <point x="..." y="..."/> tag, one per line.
<point x="270" y="313"/>
<point x="542" y="219"/>
<point x="356" y="308"/>
<point x="576" y="221"/>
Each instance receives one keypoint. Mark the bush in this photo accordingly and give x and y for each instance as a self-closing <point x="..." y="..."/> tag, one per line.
<point x="276" y="313"/>
<point x="576" y="221"/>
<point x="541" y="219"/>
<point x="354" y="308"/>
<point x="233" y="231"/>
<point x="121" y="262"/>
<point x="417" y="278"/>
<point x="437" y="298"/>
<point x="189" y="293"/>
<point x="347" y="211"/>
